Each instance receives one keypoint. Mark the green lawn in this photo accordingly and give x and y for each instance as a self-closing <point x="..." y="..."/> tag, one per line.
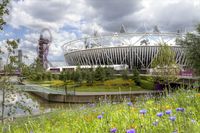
<point x="113" y="85"/>
<point x="106" y="88"/>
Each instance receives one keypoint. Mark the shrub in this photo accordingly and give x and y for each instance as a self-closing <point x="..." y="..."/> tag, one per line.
<point x="125" y="74"/>
<point x="145" y="84"/>
<point x="100" y="74"/>
<point x="136" y="77"/>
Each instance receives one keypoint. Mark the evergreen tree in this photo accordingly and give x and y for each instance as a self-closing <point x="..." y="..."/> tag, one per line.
<point x="90" y="77"/>
<point x="49" y="76"/>
<point x="100" y="74"/>
<point x="78" y="76"/>
<point x="109" y="73"/>
<point x="125" y="74"/>
<point x="136" y="77"/>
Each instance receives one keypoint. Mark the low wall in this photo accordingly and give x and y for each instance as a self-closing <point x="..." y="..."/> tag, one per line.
<point x="90" y="98"/>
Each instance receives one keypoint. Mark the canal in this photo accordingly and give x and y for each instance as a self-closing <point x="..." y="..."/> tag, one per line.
<point x="19" y="104"/>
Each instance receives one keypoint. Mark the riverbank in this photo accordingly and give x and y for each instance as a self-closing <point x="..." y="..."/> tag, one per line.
<point x="112" y="85"/>
<point x="148" y="114"/>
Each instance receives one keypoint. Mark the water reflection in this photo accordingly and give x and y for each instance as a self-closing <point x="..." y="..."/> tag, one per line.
<point x="23" y="103"/>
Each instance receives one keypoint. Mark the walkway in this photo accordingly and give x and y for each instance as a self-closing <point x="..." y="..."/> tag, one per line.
<point x="116" y="93"/>
<point x="80" y="97"/>
<point x="37" y="88"/>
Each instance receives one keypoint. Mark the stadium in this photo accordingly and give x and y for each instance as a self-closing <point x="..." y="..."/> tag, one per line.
<point x="132" y="49"/>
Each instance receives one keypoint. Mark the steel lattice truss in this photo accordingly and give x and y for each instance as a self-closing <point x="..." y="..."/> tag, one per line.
<point x="133" y="49"/>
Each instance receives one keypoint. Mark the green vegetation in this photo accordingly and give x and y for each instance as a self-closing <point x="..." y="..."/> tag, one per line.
<point x="136" y="77"/>
<point x="89" y="80"/>
<point x="3" y="11"/>
<point x="164" y="65"/>
<point x="161" y="115"/>
<point x="125" y="74"/>
<point x="116" y="84"/>
<point x="191" y="44"/>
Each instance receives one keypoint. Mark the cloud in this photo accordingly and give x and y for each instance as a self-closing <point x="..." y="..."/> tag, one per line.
<point x="38" y="14"/>
<point x="71" y="19"/>
<point x="170" y="15"/>
<point x="111" y="14"/>
<point x="29" y="45"/>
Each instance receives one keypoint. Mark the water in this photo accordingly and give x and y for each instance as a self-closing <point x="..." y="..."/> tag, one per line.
<point x="23" y="103"/>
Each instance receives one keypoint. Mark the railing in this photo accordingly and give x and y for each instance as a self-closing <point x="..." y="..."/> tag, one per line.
<point x="37" y="88"/>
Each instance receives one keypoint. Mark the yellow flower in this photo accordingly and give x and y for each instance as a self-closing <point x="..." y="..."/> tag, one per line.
<point x="133" y="126"/>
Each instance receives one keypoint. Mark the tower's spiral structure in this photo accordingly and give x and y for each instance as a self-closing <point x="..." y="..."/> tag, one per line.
<point x="43" y="47"/>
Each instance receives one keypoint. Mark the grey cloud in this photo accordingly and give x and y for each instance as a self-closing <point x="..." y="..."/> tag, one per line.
<point x="178" y="16"/>
<point x="111" y="14"/>
<point x="168" y="16"/>
<point x="50" y="11"/>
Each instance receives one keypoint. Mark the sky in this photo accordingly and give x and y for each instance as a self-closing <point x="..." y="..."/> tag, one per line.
<point x="73" y="19"/>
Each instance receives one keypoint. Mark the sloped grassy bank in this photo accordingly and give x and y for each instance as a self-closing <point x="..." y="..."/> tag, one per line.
<point x="178" y="113"/>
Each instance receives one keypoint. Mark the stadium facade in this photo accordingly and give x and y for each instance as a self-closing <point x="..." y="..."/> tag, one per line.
<point x="134" y="50"/>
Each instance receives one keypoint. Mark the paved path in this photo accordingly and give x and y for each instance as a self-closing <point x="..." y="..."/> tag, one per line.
<point x="37" y="88"/>
<point x="114" y="93"/>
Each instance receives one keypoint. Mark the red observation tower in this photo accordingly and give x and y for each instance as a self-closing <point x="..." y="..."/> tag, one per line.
<point x="43" y="47"/>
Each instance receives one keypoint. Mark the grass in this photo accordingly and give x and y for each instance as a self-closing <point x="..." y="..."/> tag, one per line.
<point x="113" y="85"/>
<point x="103" y="117"/>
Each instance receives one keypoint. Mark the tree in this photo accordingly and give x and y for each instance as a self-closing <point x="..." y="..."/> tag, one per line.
<point x="191" y="44"/>
<point x="125" y="74"/>
<point x="90" y="77"/>
<point x="164" y="65"/>
<point x="64" y="76"/>
<point x="6" y="85"/>
<point x="136" y="77"/>
<point x="3" y="11"/>
<point x="109" y="72"/>
<point x="78" y="76"/>
<point x="11" y="62"/>
<point x="100" y="74"/>
<point x="49" y="76"/>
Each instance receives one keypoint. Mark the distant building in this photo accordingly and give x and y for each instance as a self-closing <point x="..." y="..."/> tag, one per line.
<point x="73" y="68"/>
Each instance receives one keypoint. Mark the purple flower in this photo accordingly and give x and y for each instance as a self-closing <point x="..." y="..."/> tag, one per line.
<point x="155" y="123"/>
<point x="92" y="105"/>
<point x="130" y="131"/>
<point x="180" y="109"/>
<point x="129" y="103"/>
<point x="100" y="116"/>
<point x="193" y="121"/>
<point x="168" y="112"/>
<point x="160" y="114"/>
<point x="143" y="111"/>
<point x="172" y="118"/>
<point x="113" y="130"/>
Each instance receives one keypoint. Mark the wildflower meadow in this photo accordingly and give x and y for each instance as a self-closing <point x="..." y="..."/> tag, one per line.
<point x="167" y="113"/>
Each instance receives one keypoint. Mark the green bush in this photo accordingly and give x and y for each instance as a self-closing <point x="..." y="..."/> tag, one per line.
<point x="136" y="77"/>
<point x="145" y="84"/>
